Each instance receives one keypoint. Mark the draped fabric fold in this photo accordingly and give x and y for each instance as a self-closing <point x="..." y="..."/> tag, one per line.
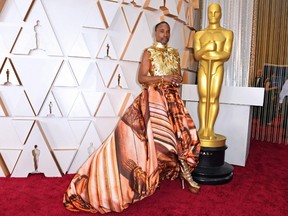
<point x="143" y="150"/>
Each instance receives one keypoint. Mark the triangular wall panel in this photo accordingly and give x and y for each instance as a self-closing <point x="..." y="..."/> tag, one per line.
<point x="10" y="159"/>
<point x="130" y="73"/>
<point x="15" y="101"/>
<point x="79" y="67"/>
<point x="8" y="75"/>
<point x="8" y="36"/>
<point x="9" y="138"/>
<point x="94" y="39"/>
<point x="79" y="47"/>
<point x="67" y="19"/>
<point x="110" y="9"/>
<point x="59" y="133"/>
<point x="65" y="98"/>
<point x="94" y="18"/>
<point x="133" y="54"/>
<point x="23" y="6"/>
<point x="37" y="35"/>
<point x="105" y="126"/>
<point x="46" y="163"/>
<point x="107" y="50"/>
<point x="74" y="71"/>
<point x="131" y="14"/>
<point x="89" y="144"/>
<point x="155" y="5"/>
<point x="65" y="158"/>
<point x="171" y="6"/>
<point x="127" y="102"/>
<point x="43" y="72"/>
<point x="107" y="69"/>
<point x="92" y="79"/>
<point x="93" y="100"/>
<point x="3" y="111"/>
<point x="152" y="19"/>
<point x="13" y="12"/>
<point x="118" y="80"/>
<point x="50" y="107"/>
<point x="177" y="35"/>
<point x="117" y="98"/>
<point x="106" y="108"/>
<point x="22" y="128"/>
<point x="65" y="76"/>
<point x="79" y="108"/>
<point x="118" y="28"/>
<point x="182" y="10"/>
<point x="79" y="128"/>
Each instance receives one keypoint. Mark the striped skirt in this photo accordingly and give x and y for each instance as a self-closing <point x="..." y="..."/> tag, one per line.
<point x="155" y="131"/>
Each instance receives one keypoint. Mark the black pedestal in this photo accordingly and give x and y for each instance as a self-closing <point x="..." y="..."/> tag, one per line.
<point x="212" y="169"/>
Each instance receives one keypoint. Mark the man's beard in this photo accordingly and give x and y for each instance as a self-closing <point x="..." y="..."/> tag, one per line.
<point x="165" y="40"/>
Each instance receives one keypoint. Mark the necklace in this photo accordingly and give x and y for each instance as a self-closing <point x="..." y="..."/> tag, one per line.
<point x="160" y="46"/>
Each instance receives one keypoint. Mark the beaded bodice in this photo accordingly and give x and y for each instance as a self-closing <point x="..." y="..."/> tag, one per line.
<point x="165" y="60"/>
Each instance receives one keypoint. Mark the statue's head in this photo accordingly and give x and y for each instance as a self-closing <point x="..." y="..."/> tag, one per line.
<point x="214" y="13"/>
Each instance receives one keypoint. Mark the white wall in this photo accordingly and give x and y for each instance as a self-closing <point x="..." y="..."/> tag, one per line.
<point x="63" y="62"/>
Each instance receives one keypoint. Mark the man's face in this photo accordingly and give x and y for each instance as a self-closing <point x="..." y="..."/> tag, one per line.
<point x="162" y="33"/>
<point x="214" y="13"/>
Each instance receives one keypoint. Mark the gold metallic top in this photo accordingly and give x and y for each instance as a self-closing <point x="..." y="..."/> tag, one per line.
<point x="165" y="60"/>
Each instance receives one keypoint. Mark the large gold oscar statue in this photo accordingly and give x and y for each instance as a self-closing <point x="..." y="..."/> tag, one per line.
<point x="212" y="47"/>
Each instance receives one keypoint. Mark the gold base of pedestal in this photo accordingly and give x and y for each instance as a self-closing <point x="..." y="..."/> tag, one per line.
<point x="218" y="142"/>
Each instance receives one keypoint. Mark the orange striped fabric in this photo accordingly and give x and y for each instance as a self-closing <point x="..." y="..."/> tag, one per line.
<point x="155" y="131"/>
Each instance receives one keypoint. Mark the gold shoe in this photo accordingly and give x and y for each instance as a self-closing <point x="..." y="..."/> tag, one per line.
<point x="186" y="176"/>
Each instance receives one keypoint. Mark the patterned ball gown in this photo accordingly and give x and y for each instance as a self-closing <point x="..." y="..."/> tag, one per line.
<point x="155" y="139"/>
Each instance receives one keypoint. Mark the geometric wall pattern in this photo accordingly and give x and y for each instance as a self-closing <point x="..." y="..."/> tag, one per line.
<point x="69" y="71"/>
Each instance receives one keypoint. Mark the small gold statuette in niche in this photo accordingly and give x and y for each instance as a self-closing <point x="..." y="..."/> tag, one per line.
<point x="7" y="83"/>
<point x="36" y="155"/>
<point x="107" y="52"/>
<point x="50" y="110"/>
<point x="119" y="82"/>
<point x="40" y="43"/>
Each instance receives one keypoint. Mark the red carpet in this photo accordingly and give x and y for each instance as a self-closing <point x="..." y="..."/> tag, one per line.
<point x="260" y="188"/>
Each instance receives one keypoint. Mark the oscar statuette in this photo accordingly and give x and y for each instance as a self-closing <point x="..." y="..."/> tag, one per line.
<point x="212" y="47"/>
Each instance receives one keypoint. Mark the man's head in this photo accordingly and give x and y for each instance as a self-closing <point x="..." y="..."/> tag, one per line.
<point x="162" y="32"/>
<point x="259" y="73"/>
<point x="214" y="13"/>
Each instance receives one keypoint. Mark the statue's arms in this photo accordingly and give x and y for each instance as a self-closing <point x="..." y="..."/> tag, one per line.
<point x="211" y="51"/>
<point x="225" y="55"/>
<point x="199" y="50"/>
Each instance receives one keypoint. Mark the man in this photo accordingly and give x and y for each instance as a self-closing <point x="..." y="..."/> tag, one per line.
<point x="162" y="36"/>
<point x="258" y="78"/>
<point x="155" y="139"/>
<point x="212" y="47"/>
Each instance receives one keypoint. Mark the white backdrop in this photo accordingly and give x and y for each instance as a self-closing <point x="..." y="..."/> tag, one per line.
<point x="55" y="52"/>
